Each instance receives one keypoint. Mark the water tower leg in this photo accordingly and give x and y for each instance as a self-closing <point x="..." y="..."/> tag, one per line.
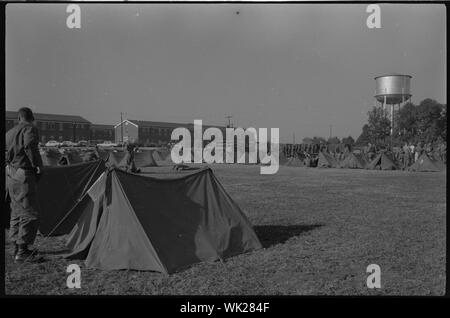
<point x="392" y="123"/>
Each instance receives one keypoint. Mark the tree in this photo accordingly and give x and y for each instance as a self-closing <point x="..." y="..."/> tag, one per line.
<point x="426" y="122"/>
<point x="443" y="123"/>
<point x="379" y="125"/>
<point x="348" y="141"/>
<point x="406" y="123"/>
<point x="334" y="140"/>
<point x="363" y="139"/>
<point x="429" y="120"/>
<point x="319" y="140"/>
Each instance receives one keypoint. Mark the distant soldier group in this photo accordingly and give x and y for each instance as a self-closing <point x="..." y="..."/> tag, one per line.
<point x="410" y="153"/>
<point x="404" y="156"/>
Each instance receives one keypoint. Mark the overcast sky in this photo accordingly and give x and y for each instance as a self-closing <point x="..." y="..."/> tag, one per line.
<point x="298" y="67"/>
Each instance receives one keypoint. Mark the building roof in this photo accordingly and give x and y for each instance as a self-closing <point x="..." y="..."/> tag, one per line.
<point x="145" y="123"/>
<point x="50" y="117"/>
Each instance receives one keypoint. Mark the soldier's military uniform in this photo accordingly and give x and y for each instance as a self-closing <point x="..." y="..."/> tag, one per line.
<point x="23" y="159"/>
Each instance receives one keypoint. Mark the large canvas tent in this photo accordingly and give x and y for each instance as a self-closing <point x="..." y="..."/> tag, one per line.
<point x="425" y="163"/>
<point x="326" y="161"/>
<point x="353" y="161"/>
<point x="382" y="162"/>
<point x="59" y="190"/>
<point x="145" y="223"/>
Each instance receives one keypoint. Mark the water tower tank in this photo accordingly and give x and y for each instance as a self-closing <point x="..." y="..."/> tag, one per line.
<point x="394" y="87"/>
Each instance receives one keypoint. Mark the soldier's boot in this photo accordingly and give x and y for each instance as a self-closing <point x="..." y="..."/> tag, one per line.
<point x="26" y="255"/>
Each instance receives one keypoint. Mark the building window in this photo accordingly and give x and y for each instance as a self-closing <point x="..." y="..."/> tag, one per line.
<point x="61" y="128"/>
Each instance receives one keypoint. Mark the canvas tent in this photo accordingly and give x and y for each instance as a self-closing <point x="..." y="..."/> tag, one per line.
<point x="326" y="161"/>
<point x="144" y="159"/>
<point x="50" y="157"/>
<point x="103" y="154"/>
<point x="425" y="163"/>
<point x="74" y="157"/>
<point x="294" y="162"/>
<point x="59" y="190"/>
<point x="282" y="158"/>
<point x="157" y="155"/>
<point x="353" y="161"/>
<point x="145" y="223"/>
<point x="118" y="159"/>
<point x="382" y="162"/>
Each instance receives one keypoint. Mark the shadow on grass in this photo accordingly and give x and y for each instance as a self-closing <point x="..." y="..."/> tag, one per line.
<point x="270" y="235"/>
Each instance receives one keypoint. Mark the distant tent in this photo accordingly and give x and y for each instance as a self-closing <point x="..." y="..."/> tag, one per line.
<point x="74" y="157"/>
<point x="157" y="156"/>
<point x="268" y="160"/>
<point x="282" y="158"/>
<point x="327" y="161"/>
<point x="245" y="159"/>
<point x="144" y="159"/>
<point x="118" y="159"/>
<point x="50" y="158"/>
<point x="103" y="154"/>
<point x="382" y="162"/>
<point x="425" y="163"/>
<point x="353" y="161"/>
<point x="90" y="156"/>
<point x="294" y="162"/>
<point x="59" y="190"/>
<point x="164" y="225"/>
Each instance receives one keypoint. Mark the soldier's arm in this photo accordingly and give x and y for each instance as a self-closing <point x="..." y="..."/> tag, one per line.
<point x="31" y="144"/>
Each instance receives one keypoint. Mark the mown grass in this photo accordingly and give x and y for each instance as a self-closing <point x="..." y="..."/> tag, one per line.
<point x="320" y="229"/>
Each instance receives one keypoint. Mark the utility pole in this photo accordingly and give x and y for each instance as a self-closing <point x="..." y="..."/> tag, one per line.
<point x="74" y="131"/>
<point x="121" y="128"/>
<point x="229" y="121"/>
<point x="331" y="126"/>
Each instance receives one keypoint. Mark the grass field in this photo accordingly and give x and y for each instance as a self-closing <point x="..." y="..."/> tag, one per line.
<point x="320" y="229"/>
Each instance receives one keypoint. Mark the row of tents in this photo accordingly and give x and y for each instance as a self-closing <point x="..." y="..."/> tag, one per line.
<point x="145" y="158"/>
<point x="382" y="161"/>
<point x="151" y="158"/>
<point x="118" y="220"/>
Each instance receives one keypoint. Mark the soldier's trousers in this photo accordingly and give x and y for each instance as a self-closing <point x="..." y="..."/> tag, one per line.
<point x="24" y="205"/>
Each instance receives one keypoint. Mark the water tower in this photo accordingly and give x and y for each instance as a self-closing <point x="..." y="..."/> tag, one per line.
<point x="393" y="89"/>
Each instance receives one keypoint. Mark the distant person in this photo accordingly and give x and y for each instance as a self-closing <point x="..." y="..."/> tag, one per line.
<point x="412" y="149"/>
<point x="406" y="156"/>
<point x="401" y="159"/>
<point x="131" y="165"/>
<point x="418" y="151"/>
<point x="23" y="171"/>
<point x="371" y="151"/>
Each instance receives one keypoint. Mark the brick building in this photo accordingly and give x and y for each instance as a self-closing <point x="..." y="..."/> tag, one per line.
<point x="55" y="127"/>
<point x="149" y="133"/>
<point x="102" y="133"/>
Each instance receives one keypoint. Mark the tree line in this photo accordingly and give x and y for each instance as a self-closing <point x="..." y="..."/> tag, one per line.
<point x="425" y="123"/>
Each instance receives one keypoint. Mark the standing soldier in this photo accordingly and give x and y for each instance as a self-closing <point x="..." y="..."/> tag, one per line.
<point x="23" y="170"/>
